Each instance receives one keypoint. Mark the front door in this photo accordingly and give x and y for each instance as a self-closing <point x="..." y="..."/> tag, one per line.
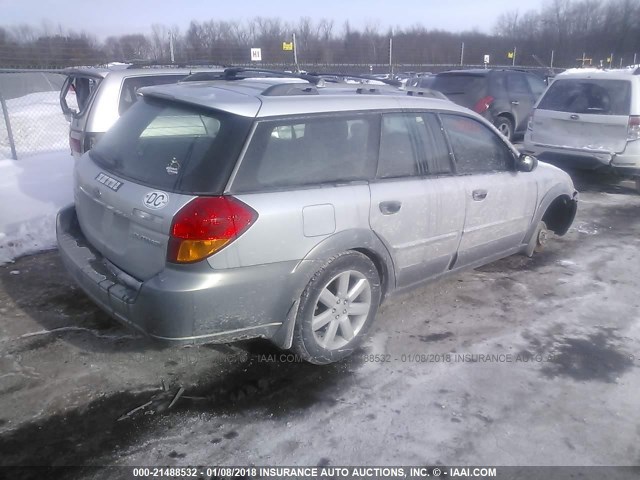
<point x="500" y="202"/>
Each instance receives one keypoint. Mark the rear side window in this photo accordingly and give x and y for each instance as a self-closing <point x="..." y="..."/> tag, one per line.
<point x="595" y="96"/>
<point x="476" y="148"/>
<point x="171" y="147"/>
<point x="459" y="84"/>
<point x="412" y="144"/>
<point x="536" y="85"/>
<point x="308" y="151"/>
<point x="517" y="84"/>
<point x="399" y="154"/>
<point x="131" y="85"/>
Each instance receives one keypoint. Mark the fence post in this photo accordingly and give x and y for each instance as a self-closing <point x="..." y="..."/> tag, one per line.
<point x="7" y="122"/>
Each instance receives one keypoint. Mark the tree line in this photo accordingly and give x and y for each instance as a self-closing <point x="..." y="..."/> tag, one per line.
<point x="571" y="29"/>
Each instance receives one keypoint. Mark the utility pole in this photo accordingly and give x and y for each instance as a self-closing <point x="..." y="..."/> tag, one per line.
<point x="552" y="52"/>
<point x="295" y="52"/>
<point x="171" y="48"/>
<point x="391" y="53"/>
<point x="462" y="54"/>
<point x="610" y="60"/>
<point x="513" y="64"/>
<point x="634" y="58"/>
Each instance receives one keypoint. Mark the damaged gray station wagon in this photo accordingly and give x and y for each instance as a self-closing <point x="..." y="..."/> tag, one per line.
<point x="288" y="209"/>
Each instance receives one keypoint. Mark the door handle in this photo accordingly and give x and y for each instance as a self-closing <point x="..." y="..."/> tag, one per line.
<point x="479" y="195"/>
<point x="390" y="207"/>
<point x="515" y="102"/>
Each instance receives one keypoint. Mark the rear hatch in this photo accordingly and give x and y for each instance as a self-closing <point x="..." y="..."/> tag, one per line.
<point x="462" y="88"/>
<point x="585" y="114"/>
<point x="156" y="158"/>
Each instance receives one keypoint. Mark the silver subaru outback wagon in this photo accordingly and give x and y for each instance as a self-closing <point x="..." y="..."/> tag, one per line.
<point x="283" y="208"/>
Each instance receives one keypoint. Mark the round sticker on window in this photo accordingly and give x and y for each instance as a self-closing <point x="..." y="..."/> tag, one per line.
<point x="156" y="200"/>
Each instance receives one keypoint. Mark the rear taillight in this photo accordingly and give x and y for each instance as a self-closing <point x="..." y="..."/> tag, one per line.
<point x="206" y="225"/>
<point x="483" y="104"/>
<point x="633" y="130"/>
<point x="74" y="144"/>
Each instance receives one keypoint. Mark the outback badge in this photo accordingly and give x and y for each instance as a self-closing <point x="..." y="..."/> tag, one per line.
<point x="106" y="180"/>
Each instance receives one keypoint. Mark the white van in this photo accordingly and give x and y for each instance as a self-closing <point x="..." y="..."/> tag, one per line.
<point x="589" y="119"/>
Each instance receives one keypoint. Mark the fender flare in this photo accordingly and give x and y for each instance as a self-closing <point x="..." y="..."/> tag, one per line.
<point x="362" y="240"/>
<point x="552" y="194"/>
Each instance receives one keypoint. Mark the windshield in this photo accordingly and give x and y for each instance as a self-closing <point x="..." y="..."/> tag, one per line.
<point x="173" y="147"/>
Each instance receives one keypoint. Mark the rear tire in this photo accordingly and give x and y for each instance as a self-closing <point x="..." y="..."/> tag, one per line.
<point x="504" y="126"/>
<point x="337" y="308"/>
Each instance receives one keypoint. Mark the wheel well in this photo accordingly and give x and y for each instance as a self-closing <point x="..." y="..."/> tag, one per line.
<point x="381" y="267"/>
<point x="560" y="214"/>
<point x="510" y="117"/>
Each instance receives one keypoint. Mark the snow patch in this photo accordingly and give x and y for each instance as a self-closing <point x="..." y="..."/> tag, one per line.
<point x="32" y="190"/>
<point x="38" y="125"/>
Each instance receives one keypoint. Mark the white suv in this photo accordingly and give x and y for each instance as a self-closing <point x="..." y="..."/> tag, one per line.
<point x="589" y="119"/>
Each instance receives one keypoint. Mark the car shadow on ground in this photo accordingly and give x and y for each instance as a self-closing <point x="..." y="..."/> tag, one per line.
<point x="266" y="383"/>
<point x="38" y="287"/>
<point x="599" y="181"/>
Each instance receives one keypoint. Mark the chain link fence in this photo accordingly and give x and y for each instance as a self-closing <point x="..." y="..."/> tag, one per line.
<point x="31" y="120"/>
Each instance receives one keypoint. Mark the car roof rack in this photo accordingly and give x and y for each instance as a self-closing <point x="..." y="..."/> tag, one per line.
<point x="242" y="73"/>
<point x="425" y="92"/>
<point x="284" y="89"/>
<point x="344" y="76"/>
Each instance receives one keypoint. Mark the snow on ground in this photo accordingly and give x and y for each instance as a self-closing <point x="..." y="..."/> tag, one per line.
<point x="32" y="190"/>
<point x="37" y="123"/>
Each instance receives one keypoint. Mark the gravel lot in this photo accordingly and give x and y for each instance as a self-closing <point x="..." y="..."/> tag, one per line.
<point x="521" y="362"/>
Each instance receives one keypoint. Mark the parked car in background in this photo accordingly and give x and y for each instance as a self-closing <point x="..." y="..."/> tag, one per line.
<point x="504" y="97"/>
<point x="288" y="209"/>
<point x="92" y="99"/>
<point x="589" y="119"/>
<point x="422" y="81"/>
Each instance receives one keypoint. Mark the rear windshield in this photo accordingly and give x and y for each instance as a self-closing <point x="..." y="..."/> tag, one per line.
<point x="458" y="84"/>
<point x="600" y="97"/>
<point x="172" y="147"/>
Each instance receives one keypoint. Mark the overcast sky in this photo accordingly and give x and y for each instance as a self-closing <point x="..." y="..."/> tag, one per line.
<point x="115" y="17"/>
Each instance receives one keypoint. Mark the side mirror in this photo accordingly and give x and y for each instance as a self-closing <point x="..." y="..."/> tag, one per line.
<point x="526" y="163"/>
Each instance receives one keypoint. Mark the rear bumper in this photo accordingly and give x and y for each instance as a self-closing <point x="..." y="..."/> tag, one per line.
<point x="625" y="163"/>
<point x="178" y="305"/>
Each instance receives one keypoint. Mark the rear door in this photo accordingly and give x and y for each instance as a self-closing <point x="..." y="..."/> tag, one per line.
<point x="521" y="98"/>
<point x="465" y="89"/>
<point x="417" y="205"/>
<point x="584" y="113"/>
<point x="500" y="202"/>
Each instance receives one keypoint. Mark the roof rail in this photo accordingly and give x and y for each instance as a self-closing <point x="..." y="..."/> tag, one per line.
<point x="285" y="89"/>
<point x="138" y="64"/>
<point x="241" y="73"/>
<point x="345" y="76"/>
<point x="425" y="92"/>
<point x="368" y="91"/>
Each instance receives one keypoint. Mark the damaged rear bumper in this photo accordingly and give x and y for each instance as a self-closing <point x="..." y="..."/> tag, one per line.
<point x="180" y="306"/>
